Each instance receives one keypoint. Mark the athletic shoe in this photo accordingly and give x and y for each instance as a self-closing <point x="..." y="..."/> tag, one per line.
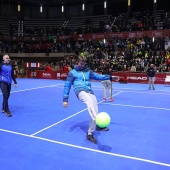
<point x="102" y="129"/>
<point x="153" y="88"/>
<point x="149" y="88"/>
<point x="3" y="111"/>
<point x="8" y="113"/>
<point x="111" y="99"/>
<point x="91" y="138"/>
<point x="104" y="99"/>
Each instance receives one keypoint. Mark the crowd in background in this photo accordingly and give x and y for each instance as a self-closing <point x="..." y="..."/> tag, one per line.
<point x="139" y="21"/>
<point x="130" y="54"/>
<point x="123" y="54"/>
<point x="120" y="54"/>
<point x="134" y="21"/>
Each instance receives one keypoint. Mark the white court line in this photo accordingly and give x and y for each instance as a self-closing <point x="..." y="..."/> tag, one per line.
<point x="67" y="118"/>
<point x="88" y="149"/>
<point x="140" y="92"/>
<point x="58" y="122"/>
<point x="33" y="88"/>
<point x="134" y="90"/>
<point x="146" y="92"/>
<point x="145" y="107"/>
<point x="157" y="90"/>
<point x="114" y="88"/>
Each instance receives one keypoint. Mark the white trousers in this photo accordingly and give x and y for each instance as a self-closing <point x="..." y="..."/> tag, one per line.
<point x="107" y="87"/>
<point x="91" y="102"/>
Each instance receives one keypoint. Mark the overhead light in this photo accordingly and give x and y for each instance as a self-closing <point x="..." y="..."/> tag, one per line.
<point x="105" y="5"/>
<point x="41" y="8"/>
<point x="129" y="2"/>
<point x="62" y="8"/>
<point x="83" y="7"/>
<point x="19" y="8"/>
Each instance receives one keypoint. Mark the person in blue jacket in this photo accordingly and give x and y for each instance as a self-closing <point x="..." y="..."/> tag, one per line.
<point x="80" y="77"/>
<point x="6" y="77"/>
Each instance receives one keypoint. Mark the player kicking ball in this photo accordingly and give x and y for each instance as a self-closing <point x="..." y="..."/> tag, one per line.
<point x="80" y="77"/>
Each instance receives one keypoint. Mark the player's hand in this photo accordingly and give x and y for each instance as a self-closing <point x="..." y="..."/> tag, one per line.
<point x="65" y="104"/>
<point x="115" y="78"/>
<point x="15" y="85"/>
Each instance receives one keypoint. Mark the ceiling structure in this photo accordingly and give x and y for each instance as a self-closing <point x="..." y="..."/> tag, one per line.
<point x="114" y="5"/>
<point x="59" y="2"/>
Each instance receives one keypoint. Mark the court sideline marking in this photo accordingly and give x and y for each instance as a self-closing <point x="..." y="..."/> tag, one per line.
<point x="145" y="107"/>
<point x="116" y="89"/>
<point x="146" y="92"/>
<point x="68" y="117"/>
<point x="130" y="90"/>
<point x="88" y="149"/>
<point x="35" y="88"/>
<point x="99" y="88"/>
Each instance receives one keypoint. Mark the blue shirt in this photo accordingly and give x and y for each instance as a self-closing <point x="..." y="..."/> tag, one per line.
<point x="7" y="73"/>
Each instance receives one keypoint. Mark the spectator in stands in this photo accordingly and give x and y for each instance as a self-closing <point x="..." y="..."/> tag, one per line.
<point x="48" y="67"/>
<point x="80" y="77"/>
<point x="133" y="68"/>
<point x="69" y="68"/>
<point x="115" y="50"/>
<point x="107" y="27"/>
<point x="65" y="68"/>
<point x="151" y="74"/>
<point x="6" y="77"/>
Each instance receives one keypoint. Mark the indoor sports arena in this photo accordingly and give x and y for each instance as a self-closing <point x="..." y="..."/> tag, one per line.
<point x="63" y="62"/>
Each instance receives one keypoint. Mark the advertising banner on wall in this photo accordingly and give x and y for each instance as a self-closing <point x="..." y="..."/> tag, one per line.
<point x="132" y="34"/>
<point x="140" y="77"/>
<point x="129" y="76"/>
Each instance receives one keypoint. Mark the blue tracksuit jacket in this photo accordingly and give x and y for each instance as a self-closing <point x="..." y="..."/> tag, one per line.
<point x="7" y="73"/>
<point x="80" y="79"/>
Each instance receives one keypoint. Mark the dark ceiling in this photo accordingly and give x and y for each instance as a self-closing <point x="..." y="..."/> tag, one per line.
<point x="137" y="5"/>
<point x="58" y="2"/>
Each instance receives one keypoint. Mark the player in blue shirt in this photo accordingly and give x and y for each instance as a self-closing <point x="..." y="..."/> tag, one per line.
<point x="6" y="77"/>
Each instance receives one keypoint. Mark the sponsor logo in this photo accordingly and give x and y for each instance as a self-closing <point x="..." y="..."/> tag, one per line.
<point x="157" y="34"/>
<point x="131" y="35"/>
<point x="63" y="37"/>
<point x="48" y="75"/>
<point x="160" y="78"/>
<point x="116" y="35"/>
<point x="63" y="74"/>
<point x="140" y="34"/>
<point x="94" y="36"/>
<point x="98" y="36"/>
<point x="58" y="74"/>
<point x="137" y="34"/>
<point x="80" y="37"/>
<point x="137" y="78"/>
<point x="33" y="74"/>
